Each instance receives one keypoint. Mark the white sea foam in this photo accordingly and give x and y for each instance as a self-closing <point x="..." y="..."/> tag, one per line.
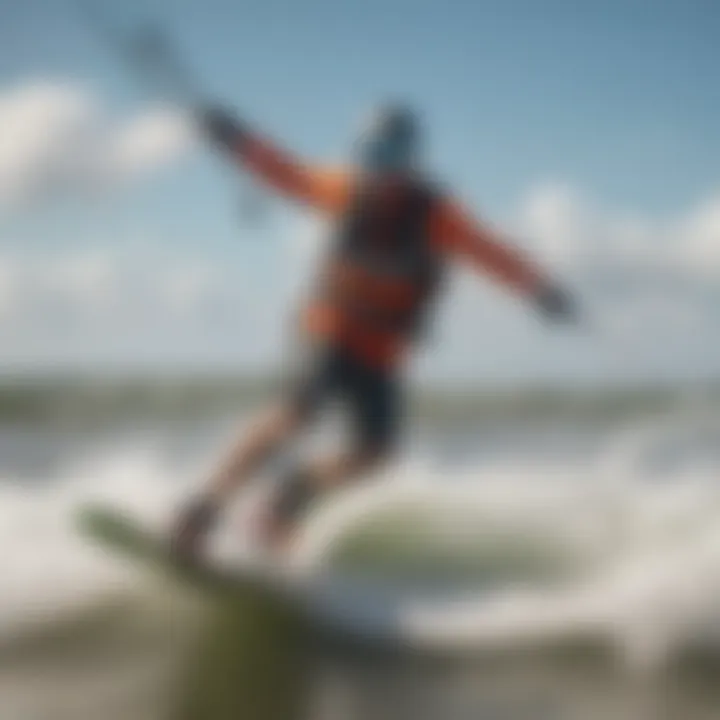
<point x="641" y="523"/>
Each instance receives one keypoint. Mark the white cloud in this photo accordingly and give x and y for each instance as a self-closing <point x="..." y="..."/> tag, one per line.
<point x="652" y="286"/>
<point x="699" y="238"/>
<point x="79" y="281"/>
<point x="56" y="137"/>
<point x="565" y="228"/>
<point x="559" y="222"/>
<point x="186" y="288"/>
<point x="89" y="279"/>
<point x="113" y="304"/>
<point x="37" y="122"/>
<point x="148" y="141"/>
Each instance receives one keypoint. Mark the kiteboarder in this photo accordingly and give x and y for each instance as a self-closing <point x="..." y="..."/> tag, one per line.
<point x="394" y="233"/>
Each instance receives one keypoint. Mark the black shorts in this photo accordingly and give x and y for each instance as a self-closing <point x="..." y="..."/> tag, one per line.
<point x="370" y="395"/>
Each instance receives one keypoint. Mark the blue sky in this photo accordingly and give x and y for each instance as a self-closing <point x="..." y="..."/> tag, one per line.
<point x="575" y="118"/>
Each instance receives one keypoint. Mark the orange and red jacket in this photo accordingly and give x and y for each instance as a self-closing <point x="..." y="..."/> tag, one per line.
<point x="357" y="305"/>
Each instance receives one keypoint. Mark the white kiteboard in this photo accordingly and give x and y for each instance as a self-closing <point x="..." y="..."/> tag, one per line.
<point x="120" y="533"/>
<point x="329" y="596"/>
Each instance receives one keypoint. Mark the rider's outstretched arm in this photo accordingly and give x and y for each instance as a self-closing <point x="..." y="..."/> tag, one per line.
<point x="456" y="232"/>
<point x="277" y="168"/>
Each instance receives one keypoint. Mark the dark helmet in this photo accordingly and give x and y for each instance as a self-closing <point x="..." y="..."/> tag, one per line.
<point x="389" y="141"/>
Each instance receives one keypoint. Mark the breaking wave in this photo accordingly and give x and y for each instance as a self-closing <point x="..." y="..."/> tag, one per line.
<point x="622" y="549"/>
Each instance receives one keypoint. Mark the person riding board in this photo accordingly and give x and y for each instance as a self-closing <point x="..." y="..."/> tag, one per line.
<point x="394" y="234"/>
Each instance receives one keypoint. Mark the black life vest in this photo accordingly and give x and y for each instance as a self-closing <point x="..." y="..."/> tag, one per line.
<point x="383" y="270"/>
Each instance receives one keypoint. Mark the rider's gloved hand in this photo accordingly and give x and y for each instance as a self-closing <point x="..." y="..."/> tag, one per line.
<point x="556" y="304"/>
<point x="221" y="126"/>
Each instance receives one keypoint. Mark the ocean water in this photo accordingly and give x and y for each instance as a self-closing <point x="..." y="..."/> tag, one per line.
<point x="531" y="555"/>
